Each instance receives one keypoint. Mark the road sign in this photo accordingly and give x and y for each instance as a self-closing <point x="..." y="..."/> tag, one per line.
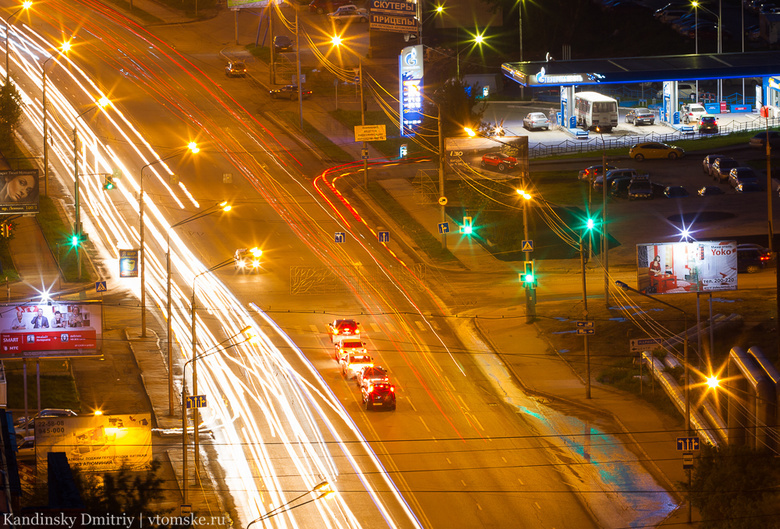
<point x="645" y="344"/>
<point x="586" y="331"/>
<point x="196" y="401"/>
<point x="686" y="444"/>
<point x="444" y="227"/>
<point x="687" y="460"/>
<point x="100" y="286"/>
<point x="364" y="154"/>
<point x="340" y="236"/>
<point x="528" y="246"/>
<point x="370" y="132"/>
<point x="384" y="236"/>
<point x="442" y="201"/>
<point x="585" y="324"/>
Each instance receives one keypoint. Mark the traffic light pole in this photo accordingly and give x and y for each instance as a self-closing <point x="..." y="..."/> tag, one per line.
<point x="530" y="291"/>
<point x="585" y="316"/>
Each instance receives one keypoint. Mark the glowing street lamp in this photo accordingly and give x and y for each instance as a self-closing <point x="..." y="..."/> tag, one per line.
<point x="25" y="6"/>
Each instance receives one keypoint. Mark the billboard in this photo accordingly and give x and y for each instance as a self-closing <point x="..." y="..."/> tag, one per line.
<point x="19" y="191"/>
<point x="59" y="329"/>
<point x="493" y="158"/>
<point x="679" y="267"/>
<point x="410" y="78"/>
<point x="96" y="443"/>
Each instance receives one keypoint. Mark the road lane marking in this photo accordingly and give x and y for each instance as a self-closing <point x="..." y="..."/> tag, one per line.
<point x="391" y="329"/>
<point x="521" y="481"/>
<point x="314" y="328"/>
<point x="410" y="403"/>
<point x="464" y="402"/>
<point x="464" y="483"/>
<point x="374" y="327"/>
<point x="504" y="459"/>
<point x="448" y="460"/>
<point x="426" y="426"/>
<point x="537" y="506"/>
<point x="447" y="380"/>
<point x="479" y="506"/>
<point x="420" y="325"/>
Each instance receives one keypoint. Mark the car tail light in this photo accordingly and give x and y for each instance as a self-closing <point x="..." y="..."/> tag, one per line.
<point x="765" y="257"/>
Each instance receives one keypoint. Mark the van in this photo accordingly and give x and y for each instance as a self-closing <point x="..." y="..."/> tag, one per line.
<point x="685" y="91"/>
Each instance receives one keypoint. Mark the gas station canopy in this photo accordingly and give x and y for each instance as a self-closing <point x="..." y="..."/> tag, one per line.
<point x="643" y="69"/>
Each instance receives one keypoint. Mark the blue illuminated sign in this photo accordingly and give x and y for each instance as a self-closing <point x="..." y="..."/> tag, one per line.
<point x="410" y="77"/>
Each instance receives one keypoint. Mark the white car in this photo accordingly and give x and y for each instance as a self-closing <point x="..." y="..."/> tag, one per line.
<point x="349" y="12"/>
<point x="691" y="113"/>
<point x="536" y="120"/>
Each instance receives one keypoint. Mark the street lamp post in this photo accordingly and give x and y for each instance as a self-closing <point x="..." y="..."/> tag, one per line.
<point x="585" y="315"/>
<point x="26" y="5"/>
<point x="224" y="206"/>
<point x="323" y="488"/>
<point x="697" y="6"/>
<point x="213" y="350"/>
<point x="192" y="147"/>
<point x="604" y="239"/>
<point x="194" y="352"/>
<point x="478" y="39"/>
<point x="101" y="103"/>
<point x="65" y="47"/>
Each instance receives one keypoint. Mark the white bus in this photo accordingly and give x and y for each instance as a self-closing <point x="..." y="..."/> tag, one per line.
<point x="595" y="110"/>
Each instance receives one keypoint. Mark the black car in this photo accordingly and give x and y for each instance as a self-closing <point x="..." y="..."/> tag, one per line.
<point x="759" y="140"/>
<point x="708" y="191"/>
<point x="283" y="43"/>
<point x="675" y="192"/>
<point x="751" y="258"/>
<point x="708" y="125"/>
<point x="619" y="187"/>
<point x="381" y="394"/>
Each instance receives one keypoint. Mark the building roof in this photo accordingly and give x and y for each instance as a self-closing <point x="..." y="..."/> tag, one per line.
<point x="644" y="69"/>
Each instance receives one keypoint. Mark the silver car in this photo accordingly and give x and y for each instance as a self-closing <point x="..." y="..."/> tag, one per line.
<point x="536" y="120"/>
<point x="640" y="116"/>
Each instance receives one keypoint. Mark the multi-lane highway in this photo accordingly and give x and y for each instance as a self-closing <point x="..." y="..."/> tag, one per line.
<point x="465" y="447"/>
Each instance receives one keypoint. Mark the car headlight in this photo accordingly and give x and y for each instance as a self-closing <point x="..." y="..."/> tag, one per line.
<point x="241" y="264"/>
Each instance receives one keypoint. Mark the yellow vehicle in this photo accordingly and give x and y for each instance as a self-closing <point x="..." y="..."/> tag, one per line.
<point x="248" y="259"/>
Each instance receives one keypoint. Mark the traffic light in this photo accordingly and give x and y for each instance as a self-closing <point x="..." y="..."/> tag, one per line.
<point x="109" y="183"/>
<point x="77" y="239"/>
<point x="5" y="229"/>
<point x="590" y="224"/>
<point x="528" y="276"/>
<point x="467" y="227"/>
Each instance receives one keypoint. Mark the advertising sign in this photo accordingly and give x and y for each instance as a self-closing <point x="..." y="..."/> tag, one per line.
<point x="393" y="23"/>
<point x="495" y="159"/>
<point x="19" y="191"/>
<point x="62" y="329"/>
<point x="370" y="133"/>
<point x="678" y="267"/>
<point x="96" y="443"/>
<point x="410" y="77"/>
<point x="128" y="263"/>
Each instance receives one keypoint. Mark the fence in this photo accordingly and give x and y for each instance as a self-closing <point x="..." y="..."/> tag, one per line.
<point x="594" y="142"/>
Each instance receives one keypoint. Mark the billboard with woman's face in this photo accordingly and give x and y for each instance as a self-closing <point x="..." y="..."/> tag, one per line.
<point x="19" y="191"/>
<point x="62" y="329"/>
<point x="679" y="267"/>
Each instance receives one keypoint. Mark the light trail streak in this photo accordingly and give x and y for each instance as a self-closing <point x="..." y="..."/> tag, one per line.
<point x="285" y="403"/>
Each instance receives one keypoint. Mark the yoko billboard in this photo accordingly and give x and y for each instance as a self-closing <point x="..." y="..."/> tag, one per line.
<point x="679" y="267"/>
<point x="62" y="329"/>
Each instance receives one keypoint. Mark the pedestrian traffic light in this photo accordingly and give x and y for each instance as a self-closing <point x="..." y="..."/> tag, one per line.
<point x="76" y="240"/>
<point x="528" y="273"/>
<point x="467" y="226"/>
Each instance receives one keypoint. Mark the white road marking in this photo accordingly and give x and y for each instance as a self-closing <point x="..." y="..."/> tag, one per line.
<point x="463" y="402"/>
<point x="374" y="327"/>
<point x="537" y="506"/>
<point x="314" y="328"/>
<point x="464" y="483"/>
<point x="521" y="481"/>
<point x="448" y="460"/>
<point x="479" y="507"/>
<point x="410" y="404"/>
<point x="504" y="459"/>
<point x="422" y="421"/>
<point x="420" y="325"/>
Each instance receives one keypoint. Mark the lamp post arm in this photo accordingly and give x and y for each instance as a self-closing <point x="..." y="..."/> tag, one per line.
<point x="284" y="507"/>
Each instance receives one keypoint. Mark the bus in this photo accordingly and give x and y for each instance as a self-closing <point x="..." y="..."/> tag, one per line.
<point x="595" y="110"/>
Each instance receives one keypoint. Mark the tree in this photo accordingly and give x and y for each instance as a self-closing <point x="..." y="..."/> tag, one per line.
<point x="10" y="113"/>
<point x="459" y="108"/>
<point x="735" y="487"/>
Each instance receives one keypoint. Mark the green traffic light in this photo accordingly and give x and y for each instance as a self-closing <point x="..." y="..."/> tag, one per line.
<point x="467" y="230"/>
<point x="74" y="240"/>
<point x="528" y="278"/>
<point x="591" y="224"/>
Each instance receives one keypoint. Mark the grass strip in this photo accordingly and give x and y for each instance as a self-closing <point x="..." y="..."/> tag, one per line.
<point x="331" y="151"/>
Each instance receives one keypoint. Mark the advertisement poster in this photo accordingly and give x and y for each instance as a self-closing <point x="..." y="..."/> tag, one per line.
<point x="128" y="263"/>
<point x="19" y="191"/>
<point x="679" y="267"/>
<point x="96" y="443"/>
<point x="62" y="329"/>
<point x="495" y="159"/>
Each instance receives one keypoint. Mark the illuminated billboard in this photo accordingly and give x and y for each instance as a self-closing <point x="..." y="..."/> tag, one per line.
<point x="492" y="158"/>
<point x="410" y="78"/>
<point x="59" y="329"/>
<point x="679" y="267"/>
<point x="96" y="443"/>
<point x="19" y="191"/>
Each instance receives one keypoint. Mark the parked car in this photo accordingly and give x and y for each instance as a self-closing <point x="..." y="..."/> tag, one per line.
<point x="536" y="120"/>
<point x="752" y="257"/>
<point x="640" y="116"/>
<point x="593" y="171"/>
<point x="749" y="187"/>
<point x="675" y="192"/>
<point x="706" y="164"/>
<point x="327" y="6"/>
<point x="708" y="191"/>
<point x="759" y="140"/>
<point x="25" y="451"/>
<point x="283" y="43"/>
<point x="640" y="188"/>
<point x="47" y="412"/>
<point x="708" y="125"/>
<point x="498" y="160"/>
<point x="654" y="149"/>
<point x="722" y="167"/>
<point x="235" y="69"/>
<point x="619" y="188"/>
<point x="742" y="175"/>
<point x="692" y="112"/>
<point x="289" y="91"/>
<point x="347" y="13"/>
<point x="612" y="175"/>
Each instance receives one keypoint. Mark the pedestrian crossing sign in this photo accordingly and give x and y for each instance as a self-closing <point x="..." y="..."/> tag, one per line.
<point x="100" y="286"/>
<point x="528" y="246"/>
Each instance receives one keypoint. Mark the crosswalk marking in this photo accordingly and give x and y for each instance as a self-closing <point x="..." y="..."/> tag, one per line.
<point x="420" y="325"/>
<point x="314" y="328"/>
<point x="374" y="327"/>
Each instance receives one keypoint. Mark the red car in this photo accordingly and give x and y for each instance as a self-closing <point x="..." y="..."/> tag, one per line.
<point x="499" y="160"/>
